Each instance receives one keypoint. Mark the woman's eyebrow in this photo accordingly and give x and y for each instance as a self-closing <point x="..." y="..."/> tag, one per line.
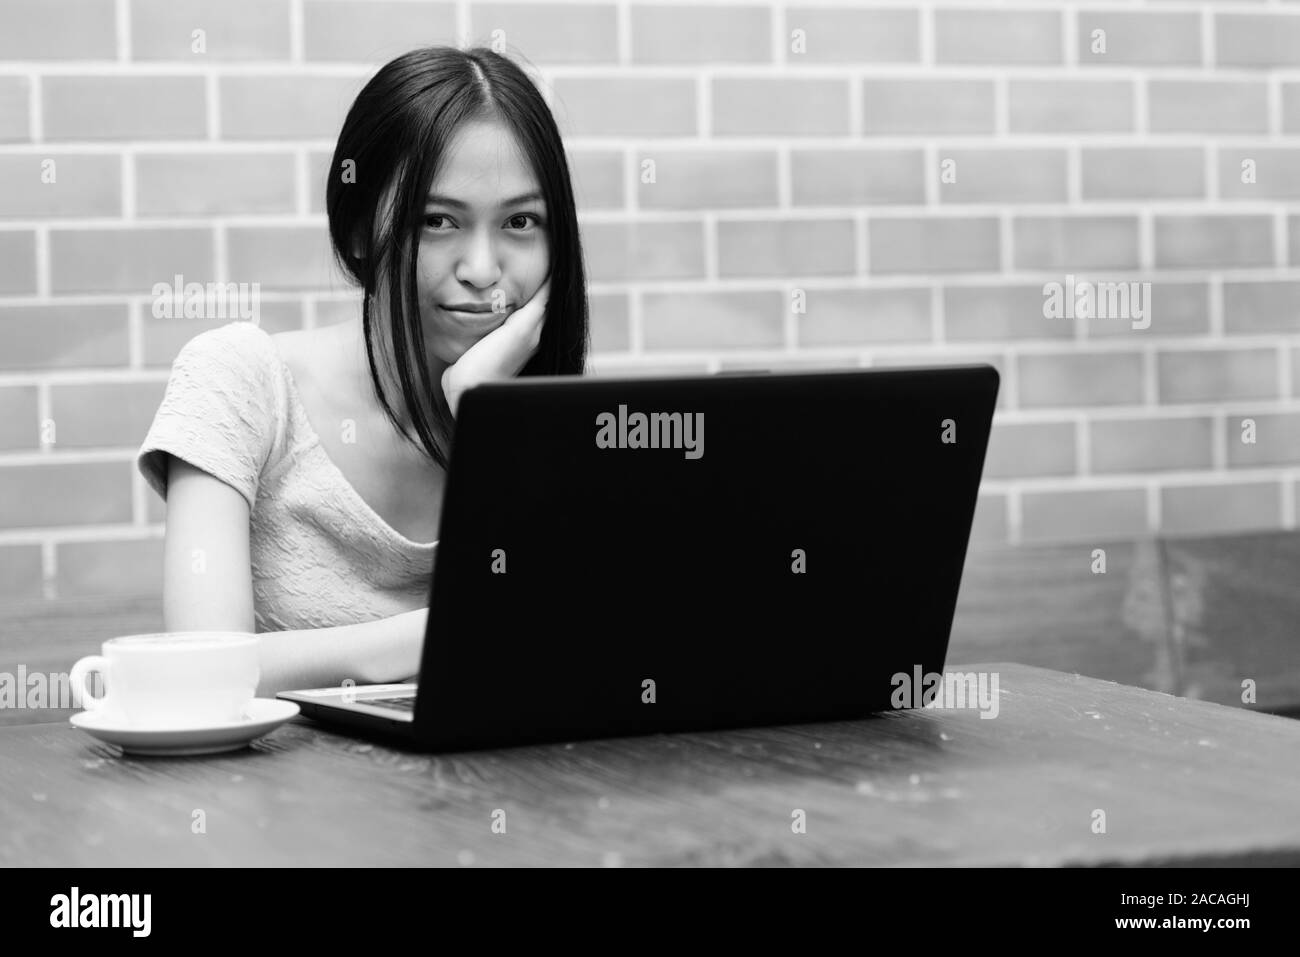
<point x="448" y="201"/>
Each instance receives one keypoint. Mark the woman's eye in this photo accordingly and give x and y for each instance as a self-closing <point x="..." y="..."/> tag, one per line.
<point x="429" y="219"/>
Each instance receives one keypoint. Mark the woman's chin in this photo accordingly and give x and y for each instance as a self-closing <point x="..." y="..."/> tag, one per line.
<point x="458" y="346"/>
<point x="450" y="346"/>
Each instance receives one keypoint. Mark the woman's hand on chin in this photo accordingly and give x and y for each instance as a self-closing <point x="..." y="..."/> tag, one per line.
<point x="502" y="352"/>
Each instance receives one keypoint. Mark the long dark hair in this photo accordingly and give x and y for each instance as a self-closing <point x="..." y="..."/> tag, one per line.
<point x="398" y="130"/>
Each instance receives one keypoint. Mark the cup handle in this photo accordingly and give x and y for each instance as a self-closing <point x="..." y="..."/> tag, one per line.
<point x="77" y="680"/>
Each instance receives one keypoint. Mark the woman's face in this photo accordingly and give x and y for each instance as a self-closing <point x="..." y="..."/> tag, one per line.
<point x="485" y="239"/>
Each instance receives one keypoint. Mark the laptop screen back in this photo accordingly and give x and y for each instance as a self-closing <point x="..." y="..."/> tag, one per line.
<point x="749" y="550"/>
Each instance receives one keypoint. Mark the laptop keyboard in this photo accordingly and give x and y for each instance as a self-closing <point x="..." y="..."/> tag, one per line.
<point x="397" y="704"/>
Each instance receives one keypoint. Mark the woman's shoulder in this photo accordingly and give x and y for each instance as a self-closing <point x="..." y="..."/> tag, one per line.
<point x="224" y="409"/>
<point x="239" y="358"/>
<point x="241" y="340"/>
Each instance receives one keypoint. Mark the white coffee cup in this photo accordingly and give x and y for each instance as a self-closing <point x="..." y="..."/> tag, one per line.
<point x="180" y="679"/>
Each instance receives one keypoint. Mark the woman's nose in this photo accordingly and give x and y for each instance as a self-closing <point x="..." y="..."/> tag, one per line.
<point x="480" y="264"/>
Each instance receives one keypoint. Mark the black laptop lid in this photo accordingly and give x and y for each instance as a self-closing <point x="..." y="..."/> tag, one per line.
<point x="778" y="566"/>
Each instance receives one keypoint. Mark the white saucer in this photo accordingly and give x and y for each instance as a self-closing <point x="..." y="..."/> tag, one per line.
<point x="262" y="716"/>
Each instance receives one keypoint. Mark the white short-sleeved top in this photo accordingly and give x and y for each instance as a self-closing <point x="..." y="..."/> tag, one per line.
<point x="320" y="555"/>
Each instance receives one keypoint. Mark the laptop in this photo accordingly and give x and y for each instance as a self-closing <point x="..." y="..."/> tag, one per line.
<point x="630" y="556"/>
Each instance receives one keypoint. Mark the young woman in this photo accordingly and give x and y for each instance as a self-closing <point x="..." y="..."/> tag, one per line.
<point x="303" y="471"/>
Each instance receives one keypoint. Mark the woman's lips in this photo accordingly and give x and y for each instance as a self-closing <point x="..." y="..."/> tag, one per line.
<point x="477" y="320"/>
<point x="475" y="312"/>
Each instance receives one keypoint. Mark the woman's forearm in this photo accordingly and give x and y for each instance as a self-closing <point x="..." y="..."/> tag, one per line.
<point x="371" y="652"/>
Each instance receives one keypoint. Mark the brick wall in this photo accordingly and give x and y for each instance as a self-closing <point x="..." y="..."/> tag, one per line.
<point x="918" y="172"/>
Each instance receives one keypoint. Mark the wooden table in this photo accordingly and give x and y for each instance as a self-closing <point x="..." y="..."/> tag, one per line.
<point x="1179" y="781"/>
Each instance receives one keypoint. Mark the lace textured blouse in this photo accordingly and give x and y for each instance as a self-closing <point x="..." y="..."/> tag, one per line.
<point x="320" y="555"/>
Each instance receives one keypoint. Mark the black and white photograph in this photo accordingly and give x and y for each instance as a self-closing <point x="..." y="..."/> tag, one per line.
<point x="631" y="434"/>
